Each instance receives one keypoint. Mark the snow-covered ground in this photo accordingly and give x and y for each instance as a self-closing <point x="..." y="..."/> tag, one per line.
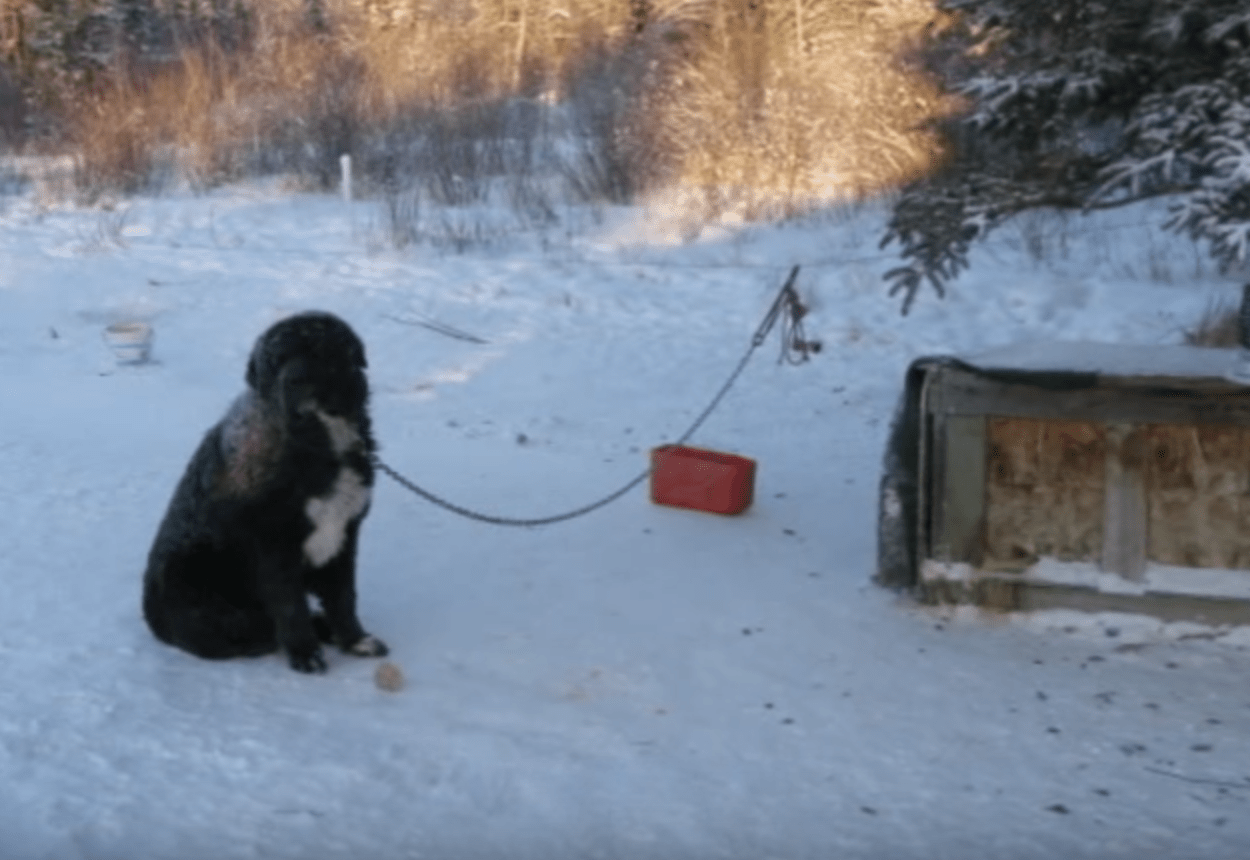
<point x="643" y="682"/>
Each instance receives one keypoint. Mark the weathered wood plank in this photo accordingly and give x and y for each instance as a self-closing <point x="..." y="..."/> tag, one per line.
<point x="1170" y="402"/>
<point x="1044" y="491"/>
<point x="939" y="475"/>
<point x="1125" y="516"/>
<point x="961" y="523"/>
<point x="1007" y="593"/>
<point x="1198" y="484"/>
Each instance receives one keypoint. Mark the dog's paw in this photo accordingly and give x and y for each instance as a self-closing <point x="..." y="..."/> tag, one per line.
<point x="368" y="646"/>
<point x="311" y="662"/>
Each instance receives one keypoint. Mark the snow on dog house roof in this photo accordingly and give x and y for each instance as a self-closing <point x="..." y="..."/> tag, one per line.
<point x="1123" y="361"/>
<point x="1090" y="475"/>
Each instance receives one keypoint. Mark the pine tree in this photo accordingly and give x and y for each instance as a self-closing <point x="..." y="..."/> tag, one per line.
<point x="1083" y="104"/>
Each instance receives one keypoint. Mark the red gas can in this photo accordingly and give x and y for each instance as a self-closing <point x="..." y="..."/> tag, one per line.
<point x="701" y="480"/>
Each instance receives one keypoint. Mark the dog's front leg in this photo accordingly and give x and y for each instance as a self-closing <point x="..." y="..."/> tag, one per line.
<point x="335" y="587"/>
<point x="282" y="591"/>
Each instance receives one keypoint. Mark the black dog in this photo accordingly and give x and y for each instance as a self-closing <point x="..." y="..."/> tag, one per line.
<point x="270" y="508"/>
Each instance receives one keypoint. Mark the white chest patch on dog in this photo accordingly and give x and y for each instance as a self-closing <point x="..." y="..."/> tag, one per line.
<point x="330" y="514"/>
<point x="343" y="435"/>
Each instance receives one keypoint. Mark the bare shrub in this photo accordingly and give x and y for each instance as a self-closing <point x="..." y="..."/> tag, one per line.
<point x="13" y="112"/>
<point x="461" y="148"/>
<point x="116" y="151"/>
<point x="296" y="99"/>
<point x="1044" y="234"/>
<point x="319" y="120"/>
<point x="12" y="179"/>
<point x="789" y="104"/>
<point x="1219" y="326"/>
<point x="433" y="95"/>
<point x="531" y="200"/>
<point x="460" y="234"/>
<point x="613" y="153"/>
<point x="144" y="122"/>
<point x="402" y="208"/>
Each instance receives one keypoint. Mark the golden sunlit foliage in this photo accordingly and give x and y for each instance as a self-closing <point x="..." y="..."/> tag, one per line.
<point x="762" y="106"/>
<point x="793" y="102"/>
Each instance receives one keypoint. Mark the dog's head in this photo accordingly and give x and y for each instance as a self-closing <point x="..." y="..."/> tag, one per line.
<point x="312" y="360"/>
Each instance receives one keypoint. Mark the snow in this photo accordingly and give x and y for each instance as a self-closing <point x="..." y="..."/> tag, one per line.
<point x="1156" y="579"/>
<point x="641" y="682"/>
<point x="1147" y="362"/>
<point x="1160" y="579"/>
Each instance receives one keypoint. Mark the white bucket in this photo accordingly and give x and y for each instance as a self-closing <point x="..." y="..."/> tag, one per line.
<point x="131" y="342"/>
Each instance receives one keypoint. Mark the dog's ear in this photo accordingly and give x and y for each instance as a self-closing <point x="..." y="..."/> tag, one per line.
<point x="253" y="374"/>
<point x="260" y="369"/>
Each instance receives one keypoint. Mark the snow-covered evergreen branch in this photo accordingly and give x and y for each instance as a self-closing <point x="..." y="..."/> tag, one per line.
<point x="1084" y="104"/>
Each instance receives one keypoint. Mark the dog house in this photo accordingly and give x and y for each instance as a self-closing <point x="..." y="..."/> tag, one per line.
<point x="1087" y="476"/>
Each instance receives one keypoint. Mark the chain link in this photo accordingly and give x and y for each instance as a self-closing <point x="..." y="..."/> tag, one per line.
<point x="787" y="300"/>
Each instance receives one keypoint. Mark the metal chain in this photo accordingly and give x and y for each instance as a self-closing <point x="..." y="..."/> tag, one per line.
<point x="507" y="521"/>
<point x="786" y="300"/>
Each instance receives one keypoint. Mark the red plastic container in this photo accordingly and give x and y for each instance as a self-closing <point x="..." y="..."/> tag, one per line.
<point x="702" y="480"/>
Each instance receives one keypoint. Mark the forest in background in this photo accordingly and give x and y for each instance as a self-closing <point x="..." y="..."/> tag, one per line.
<point x="765" y="107"/>
<point x="965" y="112"/>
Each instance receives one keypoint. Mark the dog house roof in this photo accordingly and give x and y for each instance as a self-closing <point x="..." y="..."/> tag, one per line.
<point x="1150" y="361"/>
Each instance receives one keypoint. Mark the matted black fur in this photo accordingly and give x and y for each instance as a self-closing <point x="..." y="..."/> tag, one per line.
<point x="269" y="509"/>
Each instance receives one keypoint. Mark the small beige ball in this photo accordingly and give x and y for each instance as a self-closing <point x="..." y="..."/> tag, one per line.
<point x="389" y="677"/>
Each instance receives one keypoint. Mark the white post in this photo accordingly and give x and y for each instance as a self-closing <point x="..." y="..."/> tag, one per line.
<point x="345" y="172"/>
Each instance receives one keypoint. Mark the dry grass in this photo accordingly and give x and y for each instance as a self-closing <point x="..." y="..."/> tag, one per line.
<point x="763" y="106"/>
<point x="294" y="102"/>
<point x="796" y="103"/>
<point x="1219" y="326"/>
<point x="291" y="105"/>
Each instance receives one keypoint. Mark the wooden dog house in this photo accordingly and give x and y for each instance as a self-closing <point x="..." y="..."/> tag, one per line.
<point x="1088" y="476"/>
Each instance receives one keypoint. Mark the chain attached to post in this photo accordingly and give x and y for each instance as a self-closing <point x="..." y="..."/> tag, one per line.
<point x="794" y="350"/>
